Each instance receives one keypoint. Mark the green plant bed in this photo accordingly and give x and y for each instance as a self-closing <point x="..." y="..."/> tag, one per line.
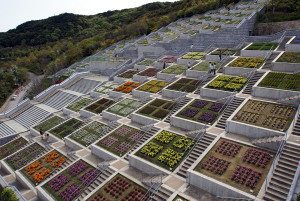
<point x="49" y="123"/>
<point x="153" y="86"/>
<point x="157" y="109"/>
<point x="166" y="150"/>
<point x="120" y="188"/>
<point x="146" y="62"/>
<point x="203" y="66"/>
<point x="128" y="74"/>
<point x="122" y="140"/>
<point x="12" y="147"/>
<point x="223" y="52"/>
<point x="184" y="85"/>
<point x="228" y="83"/>
<point x="125" y="107"/>
<point x="224" y="158"/>
<point x="100" y="105"/>
<point x="194" y="55"/>
<point x="66" y="128"/>
<point x="107" y="87"/>
<point x="262" y="46"/>
<point x="268" y="115"/>
<point x="175" y="69"/>
<point x="283" y="81"/>
<point x="90" y="133"/>
<point x="289" y="57"/>
<point x="247" y="62"/>
<point x="79" y="104"/>
<point x="202" y="111"/>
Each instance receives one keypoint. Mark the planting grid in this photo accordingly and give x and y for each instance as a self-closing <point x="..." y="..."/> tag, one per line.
<point x="100" y="105"/>
<point x="262" y="46"/>
<point x="153" y="86"/>
<point x="127" y="87"/>
<point x="194" y="55"/>
<point x="125" y="107"/>
<point x="228" y="83"/>
<point x="11" y="147"/>
<point x="202" y="66"/>
<point x="229" y="52"/>
<point x="247" y="62"/>
<point x="185" y="85"/>
<point x="283" y="81"/>
<point x="66" y="128"/>
<point x="107" y="87"/>
<point x="149" y="72"/>
<point x="175" y="69"/>
<point x="128" y="74"/>
<point x="80" y="104"/>
<point x="49" y="123"/>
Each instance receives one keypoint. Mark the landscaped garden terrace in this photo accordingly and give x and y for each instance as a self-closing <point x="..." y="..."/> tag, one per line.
<point x="71" y="182"/>
<point x="202" y="111"/>
<point x="12" y="147"/>
<point x="153" y="86"/>
<point x="185" y="85"/>
<point x="107" y="87"/>
<point x="90" y="133"/>
<point x="223" y="52"/>
<point x="39" y="170"/>
<point x="100" y="105"/>
<point x="202" y="66"/>
<point x="49" y="123"/>
<point x="149" y="72"/>
<point x="120" y="188"/>
<point x="66" y="128"/>
<point x="166" y="150"/>
<point x="289" y="57"/>
<point x="128" y="74"/>
<point x="283" y="81"/>
<point x="79" y="104"/>
<point x="157" y="109"/>
<point x="127" y="87"/>
<point x="265" y="114"/>
<point x="247" y="62"/>
<point x="238" y="165"/>
<point x="228" y="83"/>
<point x="24" y="156"/>
<point x="146" y="62"/>
<point x="194" y="55"/>
<point x="121" y="140"/>
<point x="262" y="46"/>
<point x="125" y="107"/>
<point x="175" y="69"/>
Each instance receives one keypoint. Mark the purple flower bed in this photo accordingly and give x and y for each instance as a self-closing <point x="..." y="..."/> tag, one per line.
<point x="123" y="147"/>
<point x="207" y="117"/>
<point x="70" y="192"/>
<point x="58" y="182"/>
<point x="200" y="103"/>
<point x="124" y="130"/>
<point x="77" y="168"/>
<point x="89" y="177"/>
<point x="216" y="107"/>
<point x="109" y="141"/>
<point x="189" y="112"/>
<point x="136" y="136"/>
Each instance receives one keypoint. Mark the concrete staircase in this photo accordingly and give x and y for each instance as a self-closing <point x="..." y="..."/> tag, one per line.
<point x="296" y="129"/>
<point x="281" y="46"/>
<point x="282" y="178"/>
<point x="204" y="82"/>
<point x="198" y="149"/>
<point x="224" y="62"/>
<point x="83" y="86"/>
<point x="233" y="105"/>
<point x="248" y="89"/>
<point x="31" y="116"/>
<point x="178" y="105"/>
<point x="162" y="194"/>
<point x="268" y="63"/>
<point x="5" y="130"/>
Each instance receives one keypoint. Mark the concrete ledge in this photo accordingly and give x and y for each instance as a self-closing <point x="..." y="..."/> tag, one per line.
<point x="214" y="93"/>
<point x="195" y="73"/>
<point x="24" y="181"/>
<point x="272" y="93"/>
<point x="165" y="76"/>
<point x="188" y="62"/>
<point x="141" y="94"/>
<point x="86" y="114"/>
<point x="141" y="119"/>
<point x="140" y="67"/>
<point x="237" y="70"/>
<point x="285" y="67"/>
<point x="72" y="143"/>
<point x="185" y="123"/>
<point x="95" y="94"/>
<point x="34" y="132"/>
<point x="140" y="78"/>
<point x="102" y="153"/>
<point x="43" y="195"/>
<point x="110" y="116"/>
<point x="215" y="58"/>
<point x="116" y="94"/>
<point x="172" y="93"/>
<point x="290" y="47"/>
<point x="254" y="53"/>
<point x="120" y="80"/>
<point x="68" y="112"/>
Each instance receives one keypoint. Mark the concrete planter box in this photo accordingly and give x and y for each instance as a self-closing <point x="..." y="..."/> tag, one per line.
<point x="187" y="62"/>
<point x="95" y="94"/>
<point x="43" y="195"/>
<point x="215" y="58"/>
<point x="120" y="80"/>
<point x="285" y="66"/>
<point x="116" y="94"/>
<point x="140" y="119"/>
<point x="72" y="144"/>
<point x="140" y="78"/>
<point x="141" y="94"/>
<point x="68" y="112"/>
<point x="214" y="93"/>
<point x="34" y="132"/>
<point x="23" y="180"/>
<point x="102" y="153"/>
<point x="173" y="94"/>
<point x="165" y="76"/>
<point x="86" y="114"/>
<point x="195" y="73"/>
<point x="239" y="71"/>
<point x="4" y="166"/>
<point x="110" y="116"/>
<point x="254" y="53"/>
<point x="140" y="67"/>
<point x="290" y="47"/>
<point x="185" y="124"/>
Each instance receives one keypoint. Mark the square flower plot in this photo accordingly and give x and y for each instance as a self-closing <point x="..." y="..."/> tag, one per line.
<point x="149" y="72"/>
<point x="122" y="140"/>
<point x="184" y="85"/>
<point x="107" y="87"/>
<point x="66" y="128"/>
<point x="90" y="133"/>
<point x="262" y="46"/>
<point x="127" y="87"/>
<point x="238" y="165"/>
<point x="41" y="169"/>
<point x="228" y="83"/>
<point x="100" y="105"/>
<point x="128" y="74"/>
<point x="194" y="55"/>
<point x="146" y="62"/>
<point x="229" y="52"/>
<point x="125" y="107"/>
<point x="166" y="150"/>
<point x="203" y="66"/>
<point x="247" y="62"/>
<point x="79" y="104"/>
<point x="153" y="86"/>
<point x="175" y="69"/>
<point x="120" y="188"/>
<point x="71" y="182"/>
<point x="202" y="111"/>
<point x="289" y="57"/>
<point x="265" y="114"/>
<point x="12" y="147"/>
<point x="157" y="109"/>
<point x="49" y="123"/>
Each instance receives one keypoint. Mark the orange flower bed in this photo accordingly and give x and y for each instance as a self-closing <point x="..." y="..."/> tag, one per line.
<point x="127" y="87"/>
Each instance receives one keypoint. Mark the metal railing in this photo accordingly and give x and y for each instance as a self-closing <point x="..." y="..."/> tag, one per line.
<point x="294" y="183"/>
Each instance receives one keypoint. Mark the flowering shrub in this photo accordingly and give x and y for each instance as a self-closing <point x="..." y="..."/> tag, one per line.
<point x="169" y="59"/>
<point x="228" y="83"/>
<point x="146" y="62"/>
<point x="165" y="137"/>
<point x="153" y="86"/>
<point x="246" y="176"/>
<point x="215" y="165"/>
<point x="11" y="147"/>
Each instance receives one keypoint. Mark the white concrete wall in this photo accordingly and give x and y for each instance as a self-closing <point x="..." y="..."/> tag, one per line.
<point x="102" y="153"/>
<point x="185" y="123"/>
<point x="172" y="93"/>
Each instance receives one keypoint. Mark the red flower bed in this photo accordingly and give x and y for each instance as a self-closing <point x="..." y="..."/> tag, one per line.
<point x="127" y="87"/>
<point x="228" y="149"/>
<point x="246" y="176"/>
<point x="215" y="165"/>
<point x="257" y="157"/>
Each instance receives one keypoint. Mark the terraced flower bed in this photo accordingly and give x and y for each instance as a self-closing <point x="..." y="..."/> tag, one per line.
<point x="157" y="109"/>
<point x="66" y="128"/>
<point x="41" y="169"/>
<point x="49" y="123"/>
<point x="289" y="57"/>
<point x="107" y="87"/>
<point x="120" y="188"/>
<point x="202" y="111"/>
<point x="149" y="72"/>
<point x="25" y="156"/>
<point x="203" y="66"/>
<point x="166" y="150"/>
<point x="125" y="107"/>
<point x="153" y="86"/>
<point x="266" y="114"/>
<point x="121" y="140"/>
<point x="262" y="46"/>
<point x="283" y="81"/>
<point x="223" y="52"/>
<point x="185" y="85"/>
<point x="71" y="182"/>
<point x="90" y="133"/>
<point x="127" y="87"/>
<point x="194" y="55"/>
<point x="247" y="62"/>
<point x="238" y="165"/>
<point x="146" y="62"/>
<point x="175" y="69"/>
<point x="79" y="104"/>
<point x="228" y="83"/>
<point x="128" y="74"/>
<point x="100" y="105"/>
<point x="12" y="147"/>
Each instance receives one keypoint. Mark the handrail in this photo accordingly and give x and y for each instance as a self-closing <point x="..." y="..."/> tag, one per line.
<point x="294" y="183"/>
